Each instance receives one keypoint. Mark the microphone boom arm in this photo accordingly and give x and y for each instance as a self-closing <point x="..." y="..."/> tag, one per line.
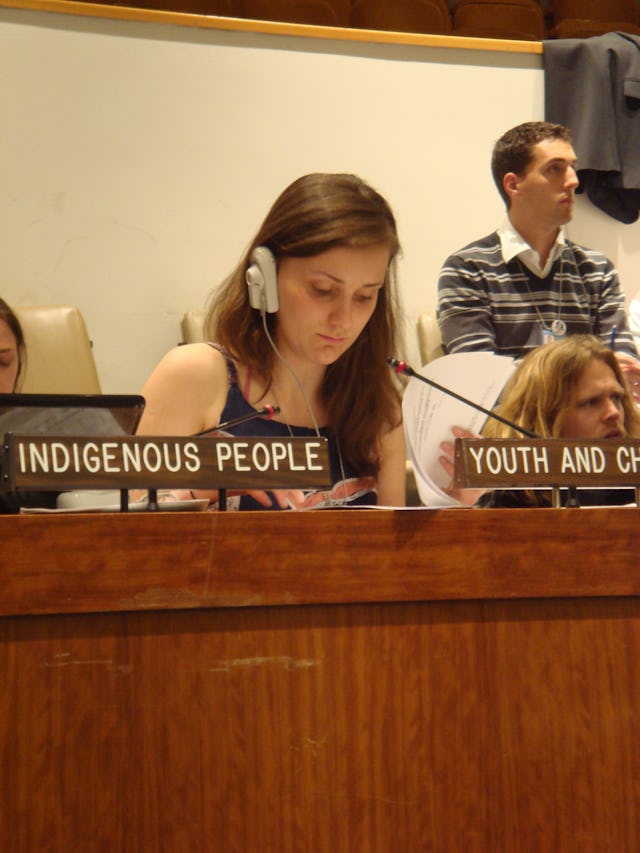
<point x="266" y="413"/>
<point x="403" y="367"/>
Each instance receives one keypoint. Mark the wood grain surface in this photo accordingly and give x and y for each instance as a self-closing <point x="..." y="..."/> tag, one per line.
<point x="81" y="563"/>
<point x="329" y="681"/>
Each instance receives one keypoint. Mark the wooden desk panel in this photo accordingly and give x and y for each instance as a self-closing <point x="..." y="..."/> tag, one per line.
<point x="440" y="723"/>
<point x="82" y="563"/>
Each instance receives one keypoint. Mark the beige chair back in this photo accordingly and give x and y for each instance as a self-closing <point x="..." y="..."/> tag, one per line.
<point x="59" y="355"/>
<point x="192" y="327"/>
<point x="429" y="338"/>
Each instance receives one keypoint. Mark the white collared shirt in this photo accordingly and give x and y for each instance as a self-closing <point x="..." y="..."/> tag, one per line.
<point x="513" y="244"/>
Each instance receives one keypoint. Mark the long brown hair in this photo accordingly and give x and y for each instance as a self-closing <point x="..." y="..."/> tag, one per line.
<point x="316" y="213"/>
<point x="543" y="387"/>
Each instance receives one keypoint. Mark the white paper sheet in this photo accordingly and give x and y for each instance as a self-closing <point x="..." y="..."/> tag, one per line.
<point x="429" y="414"/>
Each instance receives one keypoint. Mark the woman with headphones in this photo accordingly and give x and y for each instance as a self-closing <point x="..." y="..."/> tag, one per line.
<point x="305" y="322"/>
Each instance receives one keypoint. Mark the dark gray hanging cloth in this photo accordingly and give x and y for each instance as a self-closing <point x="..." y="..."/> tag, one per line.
<point x="592" y="86"/>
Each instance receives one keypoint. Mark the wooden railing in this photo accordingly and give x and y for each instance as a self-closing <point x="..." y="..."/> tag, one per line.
<point x="71" y="7"/>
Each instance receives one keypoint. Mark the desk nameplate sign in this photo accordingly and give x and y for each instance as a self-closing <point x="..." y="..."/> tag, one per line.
<point x="36" y="462"/>
<point x="540" y="463"/>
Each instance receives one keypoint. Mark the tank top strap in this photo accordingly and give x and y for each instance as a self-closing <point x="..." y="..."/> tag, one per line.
<point x="232" y="370"/>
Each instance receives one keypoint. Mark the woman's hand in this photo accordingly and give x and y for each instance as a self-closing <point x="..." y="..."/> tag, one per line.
<point x="465" y="496"/>
<point x="284" y="498"/>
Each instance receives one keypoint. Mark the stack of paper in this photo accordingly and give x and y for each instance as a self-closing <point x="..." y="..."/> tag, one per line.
<point x="429" y="414"/>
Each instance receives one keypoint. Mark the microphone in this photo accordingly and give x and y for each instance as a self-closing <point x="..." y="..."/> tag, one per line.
<point x="266" y="413"/>
<point x="403" y="367"/>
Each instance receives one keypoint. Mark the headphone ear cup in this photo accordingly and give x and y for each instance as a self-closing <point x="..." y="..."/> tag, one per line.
<point x="262" y="281"/>
<point x="255" y="284"/>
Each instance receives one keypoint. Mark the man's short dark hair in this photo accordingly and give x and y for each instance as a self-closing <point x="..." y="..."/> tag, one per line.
<point x="514" y="150"/>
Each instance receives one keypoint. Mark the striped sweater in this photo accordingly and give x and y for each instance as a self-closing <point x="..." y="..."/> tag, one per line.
<point x="487" y="304"/>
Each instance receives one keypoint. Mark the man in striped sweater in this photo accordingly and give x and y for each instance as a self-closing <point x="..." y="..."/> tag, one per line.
<point x="526" y="283"/>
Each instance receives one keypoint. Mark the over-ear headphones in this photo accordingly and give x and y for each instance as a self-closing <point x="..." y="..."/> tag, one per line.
<point x="262" y="280"/>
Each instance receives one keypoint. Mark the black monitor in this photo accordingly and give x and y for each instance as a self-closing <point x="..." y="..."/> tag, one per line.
<point x="70" y="414"/>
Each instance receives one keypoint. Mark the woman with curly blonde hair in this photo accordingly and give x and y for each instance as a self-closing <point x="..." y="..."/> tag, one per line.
<point x="571" y="388"/>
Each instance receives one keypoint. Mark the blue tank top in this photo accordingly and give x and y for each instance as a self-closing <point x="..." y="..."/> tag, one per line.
<point x="348" y="488"/>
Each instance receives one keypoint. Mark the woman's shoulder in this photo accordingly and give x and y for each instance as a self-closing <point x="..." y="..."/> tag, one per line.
<point x="186" y="392"/>
<point x="187" y="373"/>
<point x="194" y="362"/>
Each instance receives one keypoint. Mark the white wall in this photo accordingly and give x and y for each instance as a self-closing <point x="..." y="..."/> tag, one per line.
<point x="138" y="160"/>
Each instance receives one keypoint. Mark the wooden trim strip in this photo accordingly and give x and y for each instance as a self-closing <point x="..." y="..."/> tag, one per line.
<point x="172" y="560"/>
